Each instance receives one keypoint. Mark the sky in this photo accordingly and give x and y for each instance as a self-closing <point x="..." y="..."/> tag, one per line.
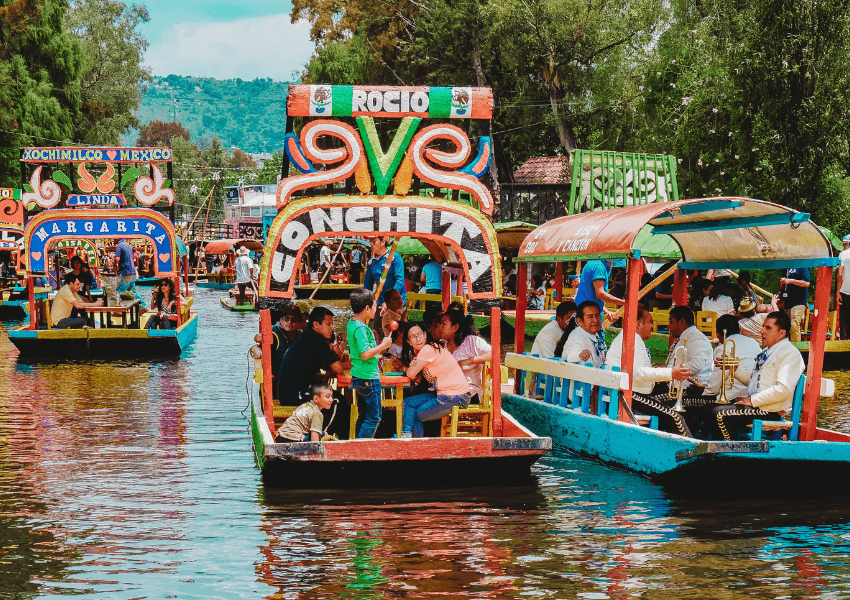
<point x="225" y="39"/>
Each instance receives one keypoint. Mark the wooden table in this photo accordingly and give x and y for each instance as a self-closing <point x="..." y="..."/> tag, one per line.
<point x="397" y="381"/>
<point x="125" y="311"/>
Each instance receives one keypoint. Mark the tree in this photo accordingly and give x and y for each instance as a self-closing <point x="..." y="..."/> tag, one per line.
<point x="161" y="133"/>
<point x="242" y="160"/>
<point x="40" y="65"/>
<point x="113" y="74"/>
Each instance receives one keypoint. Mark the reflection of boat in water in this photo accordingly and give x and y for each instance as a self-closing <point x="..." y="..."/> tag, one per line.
<point x="111" y="331"/>
<point x="711" y="233"/>
<point x="481" y="443"/>
<point x="13" y="301"/>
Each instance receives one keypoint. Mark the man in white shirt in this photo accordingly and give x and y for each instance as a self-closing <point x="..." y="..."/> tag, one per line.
<point x="244" y="273"/>
<point x="644" y="375"/>
<point x="325" y="256"/>
<point x="700" y="354"/>
<point x="771" y="383"/>
<point x="547" y="339"/>
<point x="586" y="342"/>
<point x="842" y="289"/>
<point x="746" y="350"/>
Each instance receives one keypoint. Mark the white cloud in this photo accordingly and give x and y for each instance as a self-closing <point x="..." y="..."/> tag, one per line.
<point x="268" y="46"/>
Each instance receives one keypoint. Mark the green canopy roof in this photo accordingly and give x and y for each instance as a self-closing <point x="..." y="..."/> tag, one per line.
<point x="833" y="239"/>
<point x="656" y="247"/>
<point x="408" y="246"/>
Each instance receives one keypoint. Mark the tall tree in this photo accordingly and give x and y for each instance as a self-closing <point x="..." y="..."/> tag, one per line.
<point x="113" y="74"/>
<point x="161" y="133"/>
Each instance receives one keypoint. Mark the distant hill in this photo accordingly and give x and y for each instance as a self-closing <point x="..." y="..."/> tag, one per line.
<point x="250" y="115"/>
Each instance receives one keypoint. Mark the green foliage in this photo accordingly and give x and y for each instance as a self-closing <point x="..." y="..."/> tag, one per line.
<point x="250" y="115"/>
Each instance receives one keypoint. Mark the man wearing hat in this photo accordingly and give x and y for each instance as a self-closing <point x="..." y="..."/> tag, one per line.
<point x="244" y="271"/>
<point x="842" y="289"/>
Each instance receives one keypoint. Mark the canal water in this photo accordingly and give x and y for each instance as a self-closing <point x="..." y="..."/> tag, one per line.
<point x="135" y="480"/>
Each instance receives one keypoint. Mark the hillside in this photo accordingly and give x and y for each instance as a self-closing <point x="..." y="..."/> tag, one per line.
<point x="250" y="115"/>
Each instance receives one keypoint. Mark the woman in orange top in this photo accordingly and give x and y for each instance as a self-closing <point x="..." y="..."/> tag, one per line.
<point x="438" y="366"/>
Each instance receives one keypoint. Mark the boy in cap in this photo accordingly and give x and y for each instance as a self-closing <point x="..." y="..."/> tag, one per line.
<point x="306" y="423"/>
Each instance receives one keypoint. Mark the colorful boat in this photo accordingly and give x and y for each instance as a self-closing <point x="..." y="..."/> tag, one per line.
<point x="729" y="233"/>
<point x="13" y="301"/>
<point x="117" y="330"/>
<point x="499" y="449"/>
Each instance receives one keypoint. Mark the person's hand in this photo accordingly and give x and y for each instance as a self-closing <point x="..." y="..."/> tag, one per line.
<point x="386" y="343"/>
<point x="610" y="315"/>
<point x="585" y="355"/>
<point x="745" y="401"/>
<point x="99" y="302"/>
<point x="467" y="363"/>
<point x="681" y="372"/>
<point x="838" y="301"/>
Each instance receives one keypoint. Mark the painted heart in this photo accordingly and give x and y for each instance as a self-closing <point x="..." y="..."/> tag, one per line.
<point x="164" y="257"/>
<point x="35" y="255"/>
<point x="111" y="154"/>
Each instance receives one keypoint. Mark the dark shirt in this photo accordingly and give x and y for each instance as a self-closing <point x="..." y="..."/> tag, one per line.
<point x="795" y="295"/>
<point x="280" y="344"/>
<point x="306" y="356"/>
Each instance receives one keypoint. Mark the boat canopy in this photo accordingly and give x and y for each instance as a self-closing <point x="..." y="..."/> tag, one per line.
<point x="738" y="233"/>
<point x="224" y="246"/>
<point x="511" y="234"/>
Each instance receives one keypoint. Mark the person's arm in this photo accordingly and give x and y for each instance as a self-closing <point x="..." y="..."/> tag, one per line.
<point x="374" y="350"/>
<point x="798" y="282"/>
<point x="839" y="281"/>
<point x="419" y="362"/>
<point x="398" y="283"/>
<point x="599" y="287"/>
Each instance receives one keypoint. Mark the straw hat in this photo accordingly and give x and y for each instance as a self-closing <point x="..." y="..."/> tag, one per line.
<point x="243" y="251"/>
<point x="303" y="306"/>
<point x="746" y="305"/>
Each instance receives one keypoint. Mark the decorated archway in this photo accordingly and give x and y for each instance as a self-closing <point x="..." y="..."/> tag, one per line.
<point x="51" y="226"/>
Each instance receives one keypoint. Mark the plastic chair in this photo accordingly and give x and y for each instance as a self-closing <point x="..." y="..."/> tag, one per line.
<point x="706" y="321"/>
<point x="660" y="320"/>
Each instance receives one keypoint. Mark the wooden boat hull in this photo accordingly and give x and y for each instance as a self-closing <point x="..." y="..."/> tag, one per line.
<point x="213" y="285"/>
<point x="147" y="281"/>
<point x="689" y="466"/>
<point x="104" y="343"/>
<point x="230" y="304"/>
<point x="328" y="291"/>
<point x="396" y="462"/>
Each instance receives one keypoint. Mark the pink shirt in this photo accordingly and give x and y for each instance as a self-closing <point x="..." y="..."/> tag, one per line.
<point x="441" y="369"/>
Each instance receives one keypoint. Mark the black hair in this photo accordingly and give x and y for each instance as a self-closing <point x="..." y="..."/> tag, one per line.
<point x="71" y="278"/>
<point x="571" y="325"/>
<point x="77" y="258"/>
<point x="465" y="325"/>
<point x="783" y="321"/>
<point x="682" y="313"/>
<point x="729" y="324"/>
<point x="318" y="387"/>
<point x="586" y="304"/>
<point x="407" y="351"/>
<point x="158" y="296"/>
<point x="361" y="299"/>
<point x="641" y="312"/>
<point x="387" y="293"/>
<point x="536" y="281"/>
<point x="718" y="289"/>
<point x="432" y="314"/>
<point x="318" y="314"/>
<point x="565" y="308"/>
<point x="455" y="305"/>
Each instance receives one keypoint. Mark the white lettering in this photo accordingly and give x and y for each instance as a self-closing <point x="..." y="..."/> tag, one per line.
<point x="419" y="102"/>
<point x="479" y="263"/>
<point x="386" y="218"/>
<point x="294" y="235"/>
<point x="376" y="101"/>
<point x="88" y="226"/>
<point x="149" y="228"/>
<point x="360" y="218"/>
<point x="122" y="226"/>
<point x="41" y="233"/>
<point x="55" y="229"/>
<point x="135" y="225"/>
<point x="104" y="228"/>
<point x="318" y="219"/>
<point x="391" y="100"/>
<point x="72" y="227"/>
<point x="424" y="220"/>
<point x="358" y="101"/>
<point x="282" y="266"/>
<point x="160" y="239"/>
<point x="405" y="102"/>
<point x="457" y="225"/>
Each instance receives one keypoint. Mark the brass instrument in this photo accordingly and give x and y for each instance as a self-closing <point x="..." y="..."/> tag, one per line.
<point x="728" y="361"/>
<point x="680" y="357"/>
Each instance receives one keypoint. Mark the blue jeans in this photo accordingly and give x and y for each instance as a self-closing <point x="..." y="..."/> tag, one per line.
<point x="368" y="406"/>
<point x="127" y="283"/>
<point x="428" y="407"/>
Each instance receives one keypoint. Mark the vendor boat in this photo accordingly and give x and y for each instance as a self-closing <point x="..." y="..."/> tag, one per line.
<point x="117" y="330"/>
<point x="714" y="233"/>
<point x="496" y="448"/>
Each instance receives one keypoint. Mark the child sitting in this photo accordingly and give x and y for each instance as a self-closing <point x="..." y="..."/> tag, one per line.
<point x="305" y="423"/>
<point x="365" y="378"/>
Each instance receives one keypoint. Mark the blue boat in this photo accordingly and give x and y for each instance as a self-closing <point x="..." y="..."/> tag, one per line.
<point x="714" y="233"/>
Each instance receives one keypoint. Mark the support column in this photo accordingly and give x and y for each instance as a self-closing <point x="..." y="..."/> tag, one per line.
<point x="634" y="271"/>
<point x="268" y="400"/>
<point x="519" y="317"/>
<point x="680" y="287"/>
<point x="559" y="282"/>
<point x="176" y="281"/>
<point x="447" y="290"/>
<point x="811" y="396"/>
<point x="496" y="369"/>
<point x="35" y="314"/>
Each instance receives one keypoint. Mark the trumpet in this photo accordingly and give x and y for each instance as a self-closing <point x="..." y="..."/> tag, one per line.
<point x="680" y="357"/>
<point x="728" y="361"/>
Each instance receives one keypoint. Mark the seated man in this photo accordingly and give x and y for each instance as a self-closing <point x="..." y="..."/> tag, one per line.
<point x="310" y="353"/>
<point x="700" y="360"/>
<point x="586" y="343"/>
<point x="547" y="339"/>
<point x="644" y="375"/>
<point x="771" y="382"/>
<point x="290" y="323"/>
<point x="753" y="316"/>
<point x="746" y="350"/>
<point x="66" y="300"/>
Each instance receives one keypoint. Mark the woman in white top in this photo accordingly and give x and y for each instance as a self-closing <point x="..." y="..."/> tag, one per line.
<point x="717" y="301"/>
<point x="469" y="350"/>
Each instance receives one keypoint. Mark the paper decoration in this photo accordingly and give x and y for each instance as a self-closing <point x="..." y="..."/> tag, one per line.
<point x="86" y="182"/>
<point x="384" y="165"/>
<point x="46" y="195"/>
<point x="104" y="182"/>
<point x="149" y="191"/>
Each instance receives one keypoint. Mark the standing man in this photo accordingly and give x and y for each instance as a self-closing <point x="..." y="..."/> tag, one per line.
<point x="795" y="286"/>
<point x="432" y="278"/>
<point x="356" y="267"/>
<point x="771" y="382"/>
<point x="325" y="256"/>
<point x="593" y="284"/>
<point x="125" y="269"/>
<point x="842" y="289"/>
<point x="395" y="275"/>
<point x="244" y="272"/>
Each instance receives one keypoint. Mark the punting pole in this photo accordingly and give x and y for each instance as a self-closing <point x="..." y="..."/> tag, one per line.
<point x="447" y="290"/>
<point x="496" y="369"/>
<point x="519" y="318"/>
<point x="559" y="281"/>
<point x="268" y="401"/>
<point x="627" y="364"/>
<point x="811" y="397"/>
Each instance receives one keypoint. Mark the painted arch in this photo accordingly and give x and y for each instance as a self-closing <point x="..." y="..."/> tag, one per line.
<point x="51" y="226"/>
<point x="461" y="227"/>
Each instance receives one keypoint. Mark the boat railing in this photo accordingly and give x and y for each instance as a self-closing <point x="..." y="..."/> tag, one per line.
<point x="415" y="300"/>
<point x="570" y="385"/>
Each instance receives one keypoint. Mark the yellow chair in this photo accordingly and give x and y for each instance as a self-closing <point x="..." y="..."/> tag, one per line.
<point x="660" y="320"/>
<point x="476" y="420"/>
<point x="549" y="299"/>
<point x="832" y="325"/>
<point x="390" y="399"/>
<point x="706" y="321"/>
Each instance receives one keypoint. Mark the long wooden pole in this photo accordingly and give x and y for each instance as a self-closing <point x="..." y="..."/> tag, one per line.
<point x="386" y="270"/>
<point x="328" y="270"/>
<point x="755" y="287"/>
<point x="643" y="292"/>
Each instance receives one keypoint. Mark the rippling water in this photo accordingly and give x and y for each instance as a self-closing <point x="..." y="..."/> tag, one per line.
<point x="136" y="480"/>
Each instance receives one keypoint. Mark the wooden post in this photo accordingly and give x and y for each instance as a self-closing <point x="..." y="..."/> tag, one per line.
<point x="811" y="397"/>
<point x="680" y="288"/>
<point x="179" y="304"/>
<point x="627" y="361"/>
<point x="559" y="282"/>
<point x="186" y="273"/>
<point x="496" y="369"/>
<point x="521" y="304"/>
<point x="447" y="290"/>
<point x="268" y="400"/>
<point x="34" y="313"/>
